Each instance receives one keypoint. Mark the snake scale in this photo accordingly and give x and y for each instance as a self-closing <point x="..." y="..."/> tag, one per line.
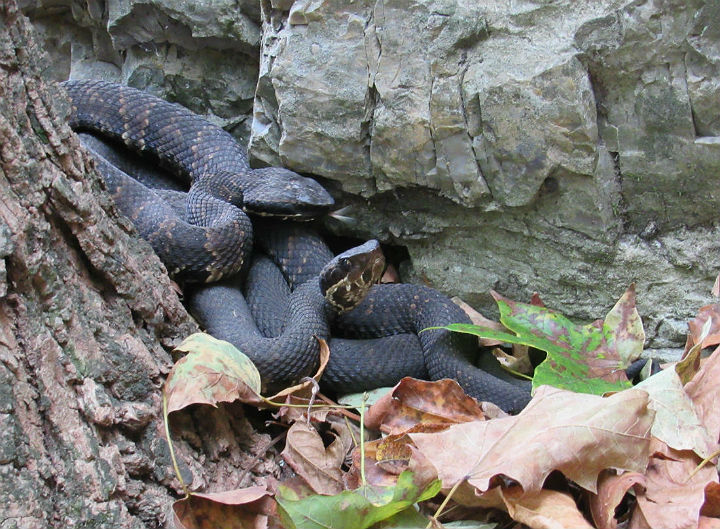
<point x="207" y="236"/>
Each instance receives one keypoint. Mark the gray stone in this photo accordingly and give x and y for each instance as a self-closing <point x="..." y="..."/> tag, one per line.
<point x="575" y="145"/>
<point x="200" y="54"/>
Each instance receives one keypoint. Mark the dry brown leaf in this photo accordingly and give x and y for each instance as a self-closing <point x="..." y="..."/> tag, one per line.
<point x="695" y="327"/>
<point x="318" y="465"/>
<point x="711" y="507"/>
<point x="704" y="391"/>
<point x="672" y="500"/>
<point x="233" y="509"/>
<point x="375" y="475"/>
<point x="577" y="434"/>
<point x="518" y="361"/>
<point x="611" y="490"/>
<point x="386" y="458"/>
<point x="390" y="275"/>
<point x="414" y="401"/>
<point x="545" y="509"/>
<point x="535" y="300"/>
<point x="676" y="421"/>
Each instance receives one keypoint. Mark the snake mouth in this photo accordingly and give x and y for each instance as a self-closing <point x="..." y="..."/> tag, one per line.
<point x="347" y="278"/>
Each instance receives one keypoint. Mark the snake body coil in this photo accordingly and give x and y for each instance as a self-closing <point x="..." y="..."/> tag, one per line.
<point x="222" y="188"/>
<point x="203" y="155"/>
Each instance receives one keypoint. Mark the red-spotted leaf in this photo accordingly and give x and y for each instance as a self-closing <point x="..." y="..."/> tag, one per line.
<point x="624" y="329"/>
<point x="213" y="371"/>
<point x="581" y="358"/>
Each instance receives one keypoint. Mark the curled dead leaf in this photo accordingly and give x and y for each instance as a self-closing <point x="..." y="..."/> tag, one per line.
<point x="318" y="465"/>
<point x="232" y="509"/>
<point x="708" y="313"/>
<point x="611" y="490"/>
<point x="415" y="401"/>
<point x="672" y="499"/>
<point x="305" y="387"/>
<point x="544" y="508"/>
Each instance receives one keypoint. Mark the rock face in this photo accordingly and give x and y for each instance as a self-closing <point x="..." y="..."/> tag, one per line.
<point x="200" y="54"/>
<point x="563" y="147"/>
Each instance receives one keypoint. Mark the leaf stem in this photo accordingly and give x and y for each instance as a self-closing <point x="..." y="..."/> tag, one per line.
<point x="444" y="503"/>
<point x="322" y="405"/>
<point x="362" y="440"/>
<point x="170" y="446"/>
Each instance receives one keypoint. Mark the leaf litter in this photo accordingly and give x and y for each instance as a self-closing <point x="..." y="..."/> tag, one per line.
<point x="588" y="451"/>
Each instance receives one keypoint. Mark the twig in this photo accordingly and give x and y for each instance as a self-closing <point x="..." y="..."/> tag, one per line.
<point x="260" y="453"/>
<point x="702" y="464"/>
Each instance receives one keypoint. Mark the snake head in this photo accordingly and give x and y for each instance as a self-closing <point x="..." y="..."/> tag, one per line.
<point x="346" y="280"/>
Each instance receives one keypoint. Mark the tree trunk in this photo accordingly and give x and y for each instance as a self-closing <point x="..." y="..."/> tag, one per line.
<point x="87" y="319"/>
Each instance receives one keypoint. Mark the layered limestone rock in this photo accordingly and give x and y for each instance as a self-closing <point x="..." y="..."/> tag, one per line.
<point x="569" y="148"/>
<point x="200" y="54"/>
<point x="566" y="148"/>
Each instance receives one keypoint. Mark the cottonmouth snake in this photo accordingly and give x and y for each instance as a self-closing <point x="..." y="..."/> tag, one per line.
<point x="223" y="188"/>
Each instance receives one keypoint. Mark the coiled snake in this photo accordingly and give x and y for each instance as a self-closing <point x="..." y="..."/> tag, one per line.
<point x="212" y="238"/>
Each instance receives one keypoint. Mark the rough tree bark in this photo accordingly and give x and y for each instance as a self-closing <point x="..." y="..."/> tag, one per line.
<point x="87" y="319"/>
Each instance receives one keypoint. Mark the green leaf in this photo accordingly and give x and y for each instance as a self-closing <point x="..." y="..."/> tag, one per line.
<point x="213" y="371"/>
<point x="407" y="519"/>
<point x="352" y="509"/>
<point x="581" y="358"/>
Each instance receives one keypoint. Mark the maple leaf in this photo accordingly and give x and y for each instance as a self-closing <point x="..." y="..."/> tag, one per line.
<point x="414" y="401"/>
<point x="584" y="358"/>
<point x="213" y="371"/>
<point x="577" y="434"/>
